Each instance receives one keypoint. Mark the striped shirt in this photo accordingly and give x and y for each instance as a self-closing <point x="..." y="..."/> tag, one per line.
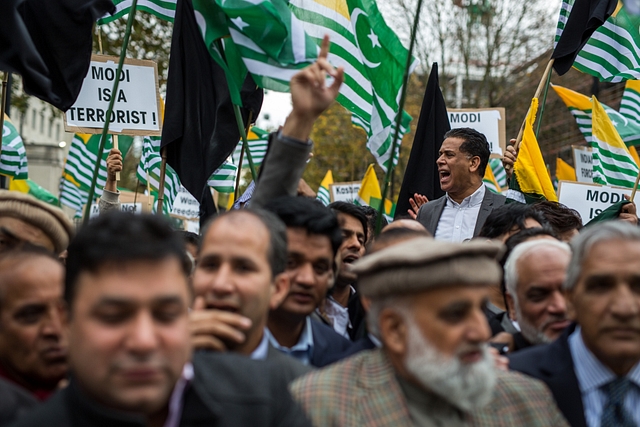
<point x="593" y="375"/>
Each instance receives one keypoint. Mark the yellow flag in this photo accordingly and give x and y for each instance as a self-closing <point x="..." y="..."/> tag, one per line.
<point x="490" y="180"/>
<point x="230" y="201"/>
<point x="573" y="99"/>
<point x="530" y="170"/>
<point x="369" y="189"/>
<point x="327" y="180"/>
<point x="634" y="154"/>
<point x="564" y="171"/>
<point x="323" y="192"/>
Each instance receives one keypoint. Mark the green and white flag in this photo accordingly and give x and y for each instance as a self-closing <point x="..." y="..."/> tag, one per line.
<point x="630" y="104"/>
<point x="72" y="195"/>
<point x="565" y="10"/>
<point x="13" y="160"/>
<point x="273" y="44"/>
<point x="163" y="9"/>
<point x="258" y="141"/>
<point x="81" y="161"/>
<point x="223" y="180"/>
<point x="498" y="172"/>
<point x="612" y="53"/>
<point x="149" y="165"/>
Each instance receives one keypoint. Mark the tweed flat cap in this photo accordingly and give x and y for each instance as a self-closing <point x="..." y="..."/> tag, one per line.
<point x="423" y="263"/>
<point x="50" y="219"/>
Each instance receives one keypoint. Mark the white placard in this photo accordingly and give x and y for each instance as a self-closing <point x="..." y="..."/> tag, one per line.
<point x="589" y="199"/>
<point x="344" y="191"/>
<point x="488" y="121"/>
<point x="185" y="204"/>
<point x="583" y="159"/>
<point x="135" y="208"/>
<point x="136" y="109"/>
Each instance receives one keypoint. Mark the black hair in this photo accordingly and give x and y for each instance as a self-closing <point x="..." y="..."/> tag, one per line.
<point x="505" y="218"/>
<point x="120" y="238"/>
<point x="560" y="217"/>
<point x="309" y="214"/>
<point x="475" y="144"/>
<point x="358" y="212"/>
<point x="277" y="251"/>
<point x="189" y="237"/>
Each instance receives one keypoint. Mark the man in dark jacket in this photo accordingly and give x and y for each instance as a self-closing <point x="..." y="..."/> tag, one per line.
<point x="130" y="354"/>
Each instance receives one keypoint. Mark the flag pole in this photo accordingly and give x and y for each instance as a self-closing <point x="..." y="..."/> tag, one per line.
<point x="163" y="169"/>
<point x="235" y="191"/>
<point x="245" y="143"/>
<point x="541" y="85"/>
<point x="544" y="102"/>
<point x="635" y="188"/>
<point x="394" y="144"/>
<point x="5" y="79"/>
<point x="105" y="129"/>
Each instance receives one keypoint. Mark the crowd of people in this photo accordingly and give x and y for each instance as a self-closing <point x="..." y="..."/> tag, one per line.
<point x="468" y="312"/>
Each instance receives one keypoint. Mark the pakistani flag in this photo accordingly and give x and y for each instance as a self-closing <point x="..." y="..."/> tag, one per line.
<point x="149" y="166"/>
<point x="498" y="171"/>
<point x="323" y="192"/>
<point x="13" y="160"/>
<point x="163" y="9"/>
<point x="627" y="126"/>
<point x="612" y="161"/>
<point x="223" y="180"/>
<point x="258" y="141"/>
<point x="273" y="44"/>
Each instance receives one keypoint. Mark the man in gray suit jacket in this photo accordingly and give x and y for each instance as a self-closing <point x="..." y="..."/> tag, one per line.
<point x="461" y="212"/>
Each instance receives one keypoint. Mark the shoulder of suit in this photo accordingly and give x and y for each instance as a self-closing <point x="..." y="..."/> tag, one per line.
<point x="515" y="385"/>
<point x="527" y="360"/>
<point x="330" y="334"/>
<point x="52" y="413"/>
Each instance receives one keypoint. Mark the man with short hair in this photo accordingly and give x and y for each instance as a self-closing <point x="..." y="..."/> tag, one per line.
<point x="33" y="339"/>
<point x="23" y="218"/>
<point x="593" y="369"/>
<point x="313" y="240"/>
<point x="130" y="354"/>
<point x="460" y="213"/>
<point x="434" y="368"/>
<point x="534" y="274"/>
<point x="507" y="220"/>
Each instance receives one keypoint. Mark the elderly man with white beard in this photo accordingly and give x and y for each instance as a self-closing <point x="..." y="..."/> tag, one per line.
<point x="434" y="367"/>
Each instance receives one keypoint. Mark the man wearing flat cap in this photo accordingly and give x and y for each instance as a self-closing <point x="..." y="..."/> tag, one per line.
<point x="23" y="218"/>
<point x="434" y="368"/>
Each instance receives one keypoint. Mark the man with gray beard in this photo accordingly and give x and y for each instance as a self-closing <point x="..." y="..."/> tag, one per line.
<point x="434" y="367"/>
<point x="534" y="273"/>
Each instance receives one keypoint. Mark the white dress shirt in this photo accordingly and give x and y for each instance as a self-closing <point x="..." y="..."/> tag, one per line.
<point x="458" y="220"/>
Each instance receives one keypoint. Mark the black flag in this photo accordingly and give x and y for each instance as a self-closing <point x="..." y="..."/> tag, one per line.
<point x="421" y="175"/>
<point x="585" y="17"/>
<point x="200" y="129"/>
<point x="49" y="44"/>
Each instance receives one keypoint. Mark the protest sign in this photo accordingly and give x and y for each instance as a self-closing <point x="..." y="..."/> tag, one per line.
<point x="589" y="199"/>
<point x="137" y="102"/>
<point x="583" y="160"/>
<point x="185" y="205"/>
<point x="344" y="191"/>
<point x="129" y="202"/>
<point x="489" y="121"/>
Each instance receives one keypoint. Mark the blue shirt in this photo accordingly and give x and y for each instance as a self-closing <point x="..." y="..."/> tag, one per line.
<point x="593" y="375"/>
<point x="303" y="349"/>
<point x="261" y="352"/>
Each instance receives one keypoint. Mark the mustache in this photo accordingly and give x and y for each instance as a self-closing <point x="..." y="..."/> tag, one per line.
<point x="553" y="319"/>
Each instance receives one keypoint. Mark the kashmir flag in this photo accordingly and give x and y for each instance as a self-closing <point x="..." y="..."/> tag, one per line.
<point x="370" y="194"/>
<point x="273" y="43"/>
<point x="223" y="180"/>
<point x="258" y="141"/>
<point x="498" y="172"/>
<point x="579" y="105"/>
<point x="149" y="166"/>
<point x="81" y="161"/>
<point x="612" y="54"/>
<point x="634" y="154"/>
<point x="27" y="186"/>
<point x="323" y="192"/>
<point x="490" y="181"/>
<point x="630" y="104"/>
<point x="531" y="181"/>
<point x="163" y="9"/>
<point x="577" y="22"/>
<point x="13" y="159"/>
<point x="72" y="195"/>
<point x="612" y="162"/>
<point x="564" y="171"/>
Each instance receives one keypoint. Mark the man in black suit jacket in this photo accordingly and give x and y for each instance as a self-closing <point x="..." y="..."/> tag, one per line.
<point x="461" y="212"/>
<point x="130" y="351"/>
<point x="602" y="349"/>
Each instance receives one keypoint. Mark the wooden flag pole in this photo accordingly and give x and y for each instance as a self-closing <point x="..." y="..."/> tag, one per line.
<point x="403" y="95"/>
<point x="114" y="90"/>
<point x="541" y="85"/>
<point x="635" y="188"/>
<point x="163" y="169"/>
<point x="5" y="79"/>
